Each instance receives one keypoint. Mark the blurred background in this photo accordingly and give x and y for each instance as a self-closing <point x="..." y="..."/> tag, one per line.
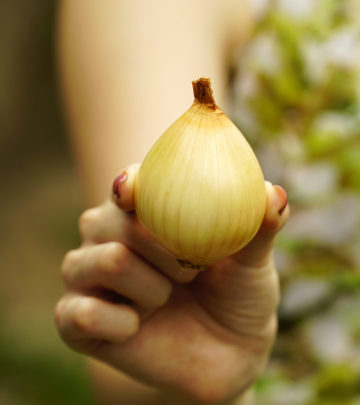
<point x="297" y="99"/>
<point x="296" y="96"/>
<point x="39" y="206"/>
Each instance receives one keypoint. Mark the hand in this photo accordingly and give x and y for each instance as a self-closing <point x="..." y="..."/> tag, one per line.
<point x="206" y="336"/>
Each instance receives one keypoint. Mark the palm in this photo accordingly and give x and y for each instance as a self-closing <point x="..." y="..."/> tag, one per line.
<point x="199" y="339"/>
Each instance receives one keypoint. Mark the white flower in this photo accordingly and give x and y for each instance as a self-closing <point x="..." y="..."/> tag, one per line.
<point x="297" y="8"/>
<point x="259" y="7"/>
<point x="329" y="340"/>
<point x="343" y="48"/>
<point x="247" y="84"/>
<point x="314" y="55"/>
<point x="335" y="123"/>
<point x="262" y="55"/>
<point x="311" y="182"/>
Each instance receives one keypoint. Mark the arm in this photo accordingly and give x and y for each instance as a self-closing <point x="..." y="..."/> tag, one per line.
<point x="121" y="62"/>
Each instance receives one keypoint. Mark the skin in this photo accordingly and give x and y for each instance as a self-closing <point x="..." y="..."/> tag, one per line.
<point x="126" y="75"/>
<point x="125" y="72"/>
<point x="202" y="337"/>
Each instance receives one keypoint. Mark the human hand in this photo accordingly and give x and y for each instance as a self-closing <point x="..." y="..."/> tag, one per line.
<point x="203" y="336"/>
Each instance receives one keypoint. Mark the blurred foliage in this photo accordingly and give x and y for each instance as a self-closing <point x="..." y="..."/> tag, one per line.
<point x="39" y="378"/>
<point x="37" y="224"/>
<point x="340" y="381"/>
<point x="297" y="99"/>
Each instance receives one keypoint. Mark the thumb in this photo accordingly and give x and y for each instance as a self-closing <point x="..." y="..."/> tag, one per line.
<point x="123" y="188"/>
<point x="243" y="293"/>
<point x="258" y="252"/>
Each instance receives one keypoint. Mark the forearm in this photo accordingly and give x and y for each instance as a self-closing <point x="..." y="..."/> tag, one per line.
<point x="120" y="63"/>
<point x="126" y="70"/>
<point x="245" y="398"/>
<point x="115" y="388"/>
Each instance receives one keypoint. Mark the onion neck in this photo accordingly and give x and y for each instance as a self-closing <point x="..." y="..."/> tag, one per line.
<point x="186" y="265"/>
<point x="203" y="92"/>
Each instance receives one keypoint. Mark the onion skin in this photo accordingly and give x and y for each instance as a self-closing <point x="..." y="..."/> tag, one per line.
<point x="200" y="190"/>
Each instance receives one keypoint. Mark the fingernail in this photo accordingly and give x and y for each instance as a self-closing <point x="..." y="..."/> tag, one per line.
<point x="283" y="197"/>
<point x="117" y="182"/>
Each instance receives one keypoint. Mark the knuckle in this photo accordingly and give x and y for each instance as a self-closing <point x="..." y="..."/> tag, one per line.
<point x="274" y="285"/>
<point x="184" y="277"/>
<point x="268" y="330"/>
<point x="137" y="228"/>
<point x="163" y="298"/>
<point x="69" y="262"/>
<point x="134" y="325"/>
<point x="85" y="315"/>
<point x="272" y="325"/>
<point x="113" y="259"/>
<point x="87" y="221"/>
<point x="59" y="313"/>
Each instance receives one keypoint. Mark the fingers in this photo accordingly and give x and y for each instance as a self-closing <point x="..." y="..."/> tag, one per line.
<point x="107" y="223"/>
<point x="85" y="322"/>
<point x="113" y="266"/>
<point x="242" y="292"/>
<point x="123" y="188"/>
<point x="259" y="250"/>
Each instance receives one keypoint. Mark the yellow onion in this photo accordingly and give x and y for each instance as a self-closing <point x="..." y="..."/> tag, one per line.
<point x="200" y="190"/>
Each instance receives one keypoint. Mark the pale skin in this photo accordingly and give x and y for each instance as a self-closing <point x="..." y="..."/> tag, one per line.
<point x="172" y="336"/>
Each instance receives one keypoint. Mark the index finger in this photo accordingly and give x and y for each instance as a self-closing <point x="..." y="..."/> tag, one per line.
<point x="123" y="188"/>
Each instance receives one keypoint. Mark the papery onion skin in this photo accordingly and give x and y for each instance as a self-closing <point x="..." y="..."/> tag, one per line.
<point x="200" y="190"/>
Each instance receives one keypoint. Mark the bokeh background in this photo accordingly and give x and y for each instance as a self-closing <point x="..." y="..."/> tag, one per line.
<point x="296" y="96"/>
<point x="39" y="207"/>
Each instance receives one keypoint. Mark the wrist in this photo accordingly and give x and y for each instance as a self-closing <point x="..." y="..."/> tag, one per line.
<point x="245" y="398"/>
